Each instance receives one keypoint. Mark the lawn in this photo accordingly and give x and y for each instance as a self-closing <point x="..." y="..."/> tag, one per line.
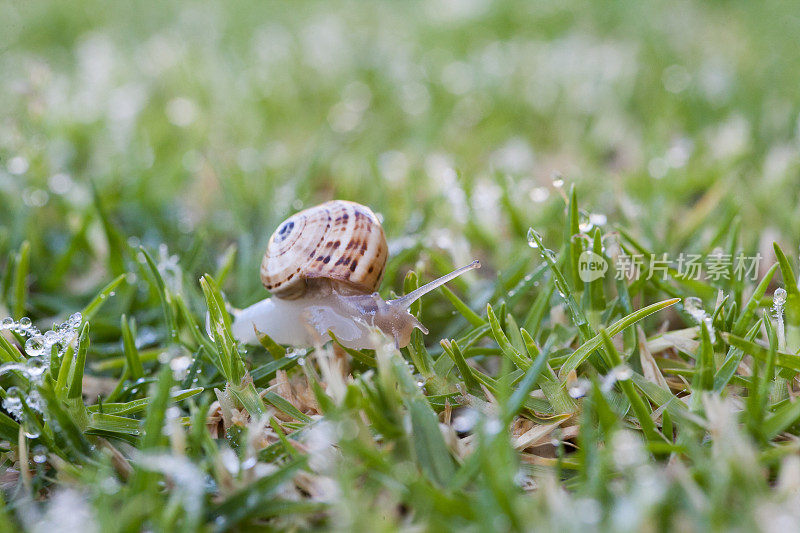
<point x="626" y="358"/>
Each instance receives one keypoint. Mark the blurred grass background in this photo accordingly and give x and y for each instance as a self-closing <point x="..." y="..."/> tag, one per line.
<point x="194" y="128"/>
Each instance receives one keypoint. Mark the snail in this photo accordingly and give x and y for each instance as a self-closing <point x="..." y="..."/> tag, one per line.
<point x="323" y="266"/>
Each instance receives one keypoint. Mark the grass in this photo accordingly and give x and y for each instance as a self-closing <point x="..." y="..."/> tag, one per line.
<point x="148" y="152"/>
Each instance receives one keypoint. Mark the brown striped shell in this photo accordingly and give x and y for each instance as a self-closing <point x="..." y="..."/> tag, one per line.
<point x="339" y="241"/>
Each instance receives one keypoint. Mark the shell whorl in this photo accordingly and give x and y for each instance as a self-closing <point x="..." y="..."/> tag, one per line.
<point x="339" y="241"/>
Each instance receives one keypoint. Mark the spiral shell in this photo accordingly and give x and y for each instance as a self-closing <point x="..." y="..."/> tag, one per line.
<point x="338" y="241"/>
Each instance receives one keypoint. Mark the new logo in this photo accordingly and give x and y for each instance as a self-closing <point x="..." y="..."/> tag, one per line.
<point x="591" y="266"/>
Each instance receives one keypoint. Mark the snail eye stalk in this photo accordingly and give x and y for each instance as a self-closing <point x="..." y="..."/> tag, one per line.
<point x="413" y="296"/>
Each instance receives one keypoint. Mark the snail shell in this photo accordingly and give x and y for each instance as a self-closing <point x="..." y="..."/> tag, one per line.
<point x="338" y="244"/>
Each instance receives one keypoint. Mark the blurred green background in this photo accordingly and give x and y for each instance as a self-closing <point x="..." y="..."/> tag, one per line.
<point x="193" y="128"/>
<point x="205" y="124"/>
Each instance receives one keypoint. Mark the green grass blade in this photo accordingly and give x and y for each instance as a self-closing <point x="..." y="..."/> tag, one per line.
<point x="784" y="360"/>
<point x="21" y="272"/>
<point x="463" y="309"/>
<point x="102" y="297"/>
<point x="129" y="348"/>
<point x="163" y="295"/>
<point x="76" y="383"/>
<point x="505" y="345"/>
<point x="580" y="355"/>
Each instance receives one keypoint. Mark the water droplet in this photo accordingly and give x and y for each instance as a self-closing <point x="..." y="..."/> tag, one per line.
<point x="560" y="287"/>
<point x="533" y="236"/>
<point x="618" y="373"/>
<point x="539" y="194"/>
<point x="622" y="372"/>
<point x="558" y="180"/>
<point x="579" y="388"/>
<point x="230" y="461"/>
<point x="598" y="219"/>
<point x="779" y="297"/>
<point x="493" y="426"/>
<point x="464" y="419"/>
<point x="8" y="323"/>
<point x="13" y="402"/>
<point x="585" y="224"/>
<point x="296" y="352"/>
<point x="36" y="366"/>
<point x="74" y="320"/>
<point x="39" y="454"/>
<point x="692" y="304"/>
<point x="180" y="366"/>
<point x="35" y="401"/>
<point x="35" y="346"/>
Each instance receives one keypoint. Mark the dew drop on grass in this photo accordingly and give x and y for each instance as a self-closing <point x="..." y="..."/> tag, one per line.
<point x="622" y="372"/>
<point x="558" y="180"/>
<point x="8" y="323"/>
<point x="13" y="402"/>
<point x="39" y="454"/>
<point x="533" y="235"/>
<point x="539" y="194"/>
<point x="36" y="367"/>
<point x="692" y="304"/>
<point x="778" y="301"/>
<point x="585" y="223"/>
<point x="249" y="463"/>
<point x="779" y="298"/>
<point x="52" y="337"/>
<point x="230" y="461"/>
<point x="579" y="388"/>
<point x="296" y="352"/>
<point x="598" y="219"/>
<point x="180" y="366"/>
<point x="618" y="373"/>
<point x="35" y="346"/>
<point x="560" y="287"/>
<point x="35" y="401"/>
<point x="464" y="420"/>
<point x="493" y="427"/>
<point x="74" y="320"/>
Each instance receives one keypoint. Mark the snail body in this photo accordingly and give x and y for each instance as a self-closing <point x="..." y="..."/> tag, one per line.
<point x="323" y="266"/>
